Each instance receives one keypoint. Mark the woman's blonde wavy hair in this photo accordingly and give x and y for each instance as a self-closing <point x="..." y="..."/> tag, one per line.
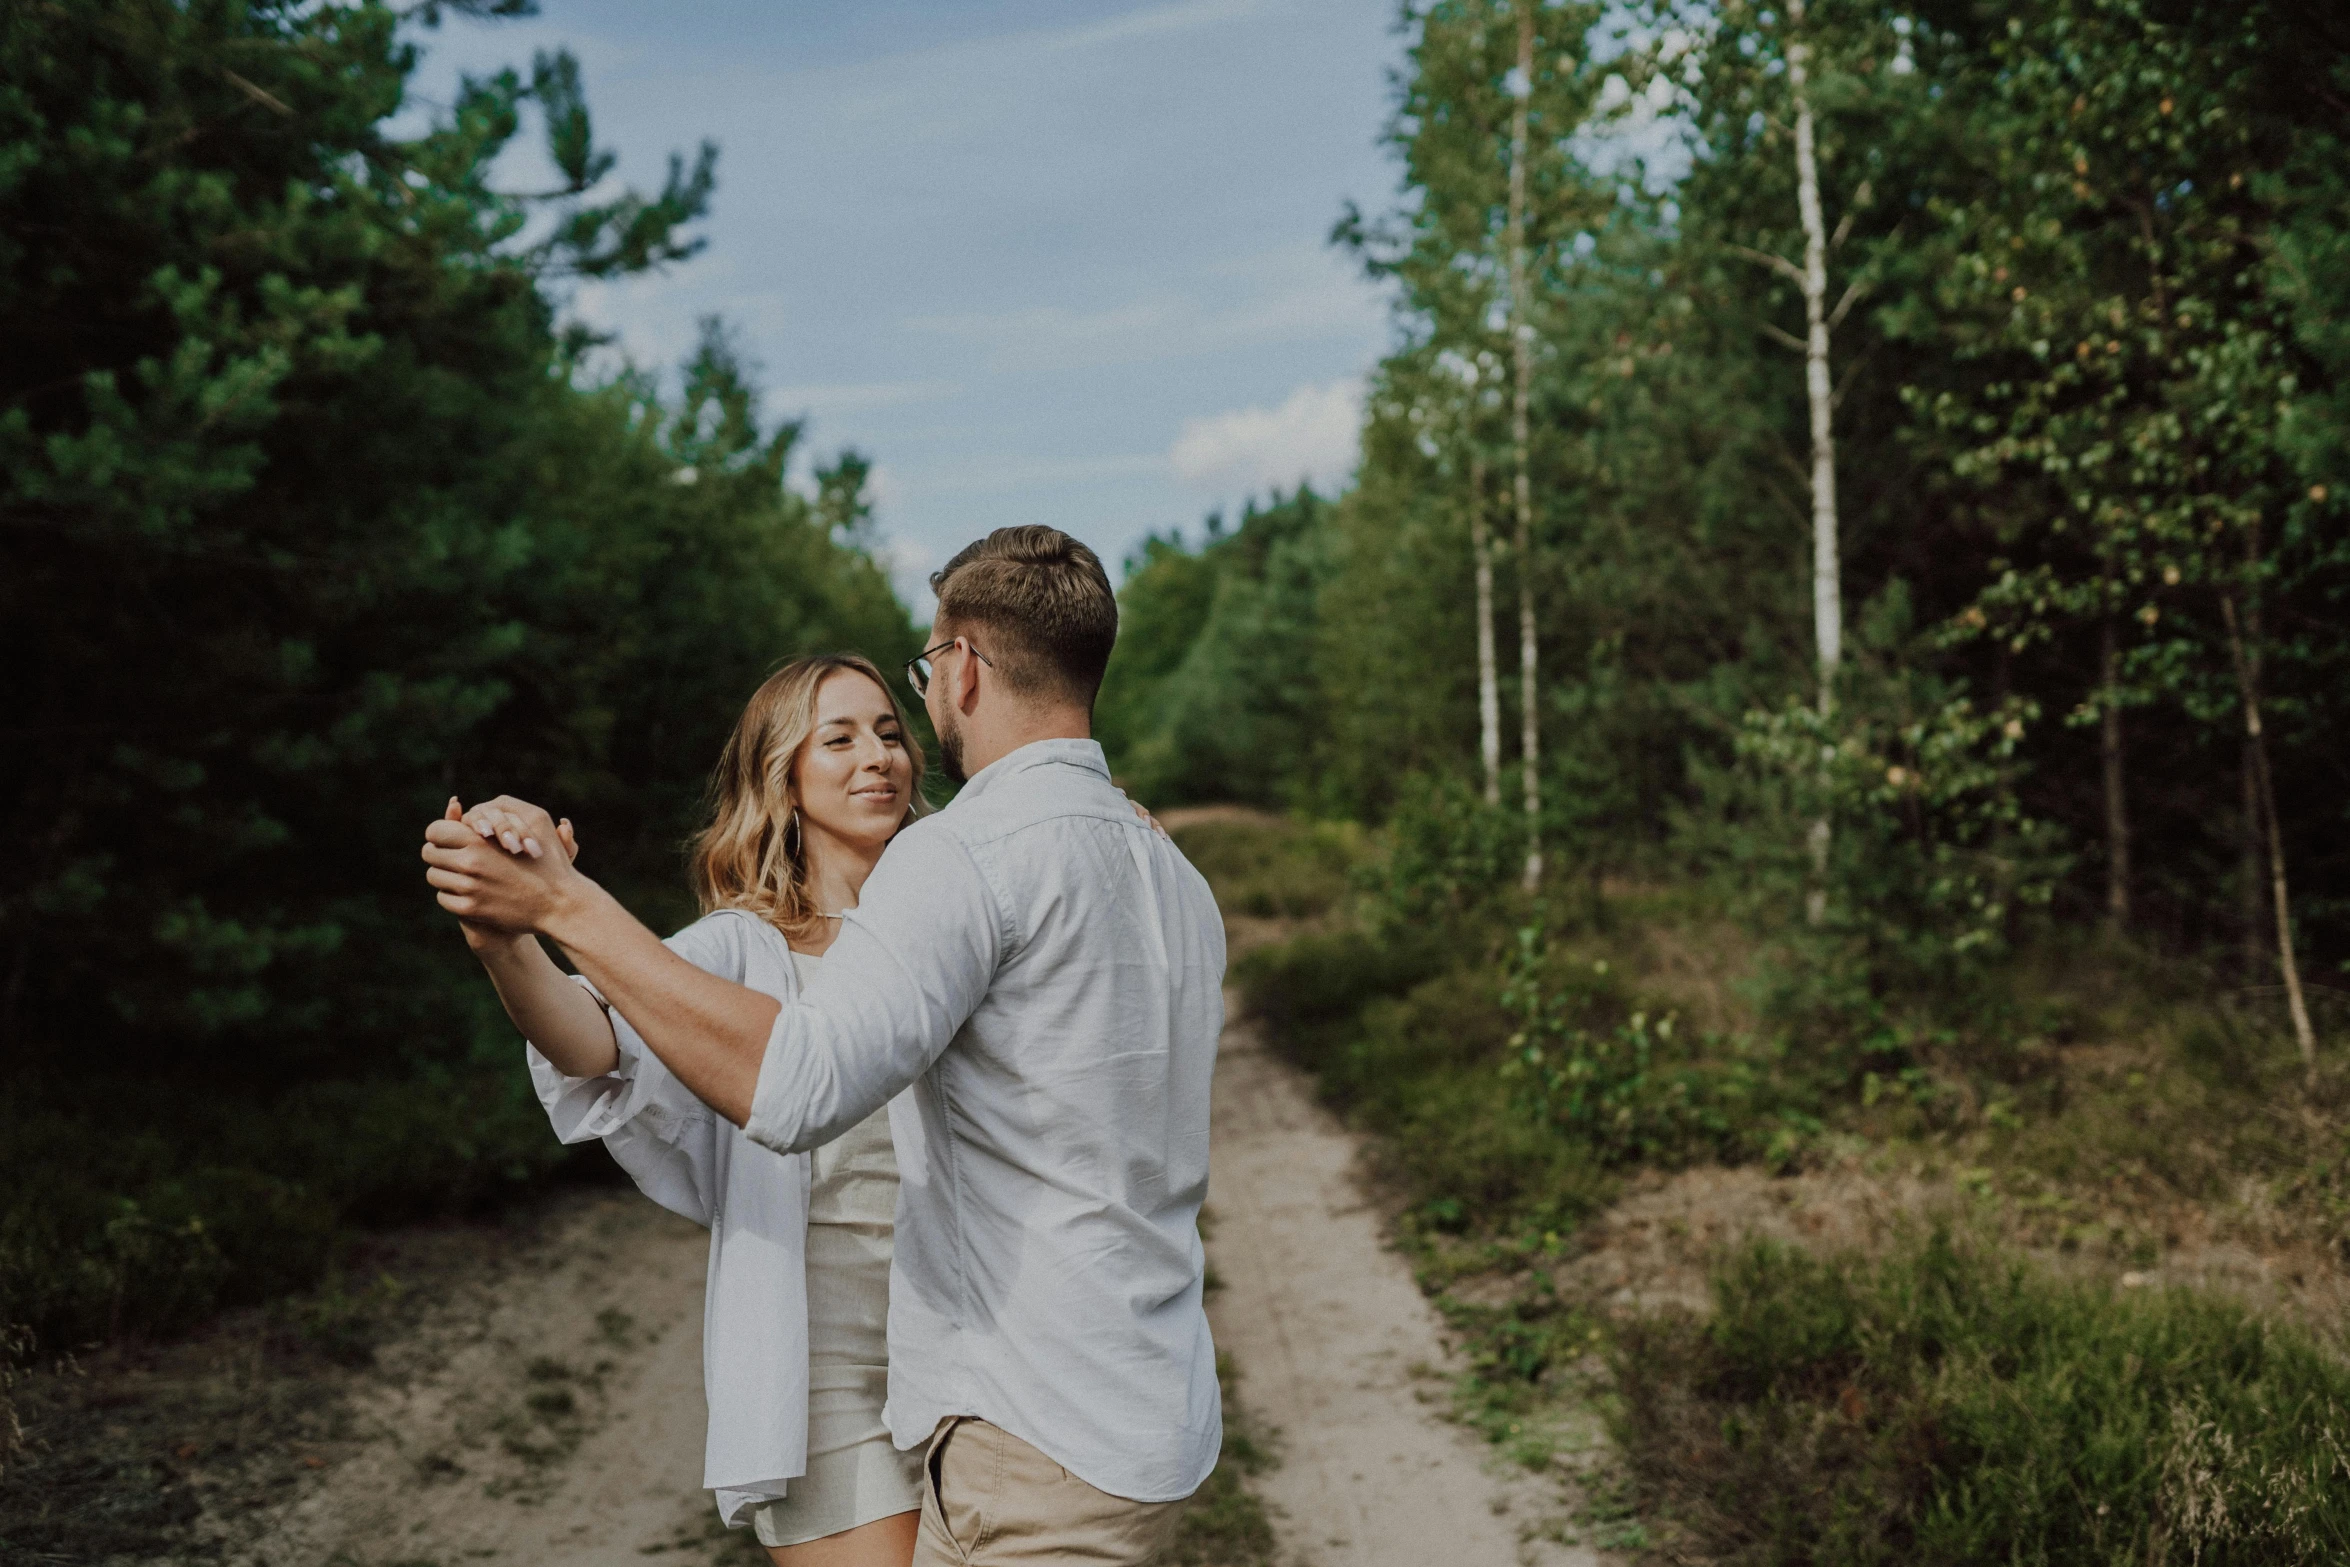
<point x="752" y="855"/>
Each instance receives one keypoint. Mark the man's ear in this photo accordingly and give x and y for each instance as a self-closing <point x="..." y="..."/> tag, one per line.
<point x="968" y="673"/>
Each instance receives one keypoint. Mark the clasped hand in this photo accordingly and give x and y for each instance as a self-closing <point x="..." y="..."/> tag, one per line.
<point x="491" y="866"/>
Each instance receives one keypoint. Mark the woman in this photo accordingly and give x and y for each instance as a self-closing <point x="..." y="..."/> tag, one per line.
<point x="819" y="774"/>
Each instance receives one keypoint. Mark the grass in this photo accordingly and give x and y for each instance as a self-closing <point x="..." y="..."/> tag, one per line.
<point x="1273" y="869"/>
<point x="1225" y="1525"/>
<point x="1948" y="1404"/>
<point x="1996" y="1398"/>
<point x="140" y="1209"/>
<point x="123" y="1446"/>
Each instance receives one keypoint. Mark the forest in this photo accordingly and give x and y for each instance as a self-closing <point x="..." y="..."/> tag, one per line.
<point x="2068" y="281"/>
<point x="1832" y="662"/>
<point x="314" y="514"/>
<point x="1835" y="660"/>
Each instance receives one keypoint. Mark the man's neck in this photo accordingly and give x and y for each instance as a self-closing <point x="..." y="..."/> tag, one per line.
<point x="982" y="751"/>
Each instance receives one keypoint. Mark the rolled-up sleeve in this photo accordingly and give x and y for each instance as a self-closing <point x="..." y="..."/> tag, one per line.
<point x="652" y="1124"/>
<point x="912" y="962"/>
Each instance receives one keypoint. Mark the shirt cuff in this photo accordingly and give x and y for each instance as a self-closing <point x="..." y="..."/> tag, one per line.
<point x="779" y="1109"/>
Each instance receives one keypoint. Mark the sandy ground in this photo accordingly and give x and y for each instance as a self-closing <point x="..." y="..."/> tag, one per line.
<point x="1655" y="1245"/>
<point x="1339" y="1350"/>
<point x="549" y="1410"/>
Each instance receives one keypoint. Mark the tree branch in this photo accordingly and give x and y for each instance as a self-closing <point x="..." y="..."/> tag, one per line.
<point x="1778" y="264"/>
<point x="266" y="100"/>
<point x="1836" y="398"/>
<point x="1783" y="338"/>
<point x="1851" y="293"/>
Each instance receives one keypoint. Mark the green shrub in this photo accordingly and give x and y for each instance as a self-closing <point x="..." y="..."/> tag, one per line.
<point x="108" y="1229"/>
<point x="1948" y="1405"/>
<point x="1272" y="868"/>
<point x="1405" y="1036"/>
<point x="1450" y="856"/>
<point x="1225" y="1523"/>
<point x="1628" y="1085"/>
<point x="1310" y="989"/>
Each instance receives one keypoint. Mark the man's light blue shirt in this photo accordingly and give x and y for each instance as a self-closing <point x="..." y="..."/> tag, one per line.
<point x="1047" y="971"/>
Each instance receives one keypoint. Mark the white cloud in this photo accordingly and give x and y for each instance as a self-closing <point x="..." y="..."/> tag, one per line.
<point x="909" y="566"/>
<point x="1312" y="435"/>
<point x="1048" y="329"/>
<point x="1293" y="293"/>
<point x="1156" y="22"/>
<point x="857" y="397"/>
<point x="1000" y="476"/>
<point x="883" y="487"/>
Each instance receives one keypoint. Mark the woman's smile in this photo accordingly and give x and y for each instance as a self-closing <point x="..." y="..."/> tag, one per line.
<point x="854" y="774"/>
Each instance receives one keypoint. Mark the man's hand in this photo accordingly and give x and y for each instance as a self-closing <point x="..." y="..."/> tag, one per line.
<point x="488" y="938"/>
<point x="490" y="867"/>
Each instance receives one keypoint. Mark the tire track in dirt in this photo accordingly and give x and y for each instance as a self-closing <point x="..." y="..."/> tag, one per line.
<point x="1338" y="1350"/>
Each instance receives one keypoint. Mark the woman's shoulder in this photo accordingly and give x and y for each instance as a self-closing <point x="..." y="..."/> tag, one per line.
<point x="729" y="941"/>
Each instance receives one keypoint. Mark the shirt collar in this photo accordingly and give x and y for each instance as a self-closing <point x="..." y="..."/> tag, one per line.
<point x="1086" y="754"/>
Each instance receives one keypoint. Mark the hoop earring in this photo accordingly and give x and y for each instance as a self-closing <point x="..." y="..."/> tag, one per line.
<point x="791" y="832"/>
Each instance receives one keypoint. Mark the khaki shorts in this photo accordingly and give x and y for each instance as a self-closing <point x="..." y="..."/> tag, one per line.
<point x="992" y="1499"/>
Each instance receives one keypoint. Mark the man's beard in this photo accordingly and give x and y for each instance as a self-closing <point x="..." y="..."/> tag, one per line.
<point x="950" y="752"/>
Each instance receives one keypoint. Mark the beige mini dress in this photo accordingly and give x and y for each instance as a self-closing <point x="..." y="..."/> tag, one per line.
<point x="855" y="1473"/>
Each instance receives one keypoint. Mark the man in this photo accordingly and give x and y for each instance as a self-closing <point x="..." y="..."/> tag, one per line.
<point x="1048" y="971"/>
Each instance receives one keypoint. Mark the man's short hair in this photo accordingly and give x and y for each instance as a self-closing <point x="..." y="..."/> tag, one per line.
<point x="1044" y="604"/>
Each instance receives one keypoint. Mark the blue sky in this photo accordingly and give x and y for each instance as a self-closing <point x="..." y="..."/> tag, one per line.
<point x="1043" y="261"/>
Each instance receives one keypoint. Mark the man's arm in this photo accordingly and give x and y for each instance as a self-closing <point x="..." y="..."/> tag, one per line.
<point x="708" y="1031"/>
<point x="912" y="962"/>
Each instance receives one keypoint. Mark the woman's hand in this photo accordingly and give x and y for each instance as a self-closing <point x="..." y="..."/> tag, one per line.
<point x="567" y="1024"/>
<point x="490" y="867"/>
<point x="486" y="939"/>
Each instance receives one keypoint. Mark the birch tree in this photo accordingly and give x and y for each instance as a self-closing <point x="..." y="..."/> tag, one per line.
<point x="1488" y="675"/>
<point x="1764" y="66"/>
<point x="1827" y="587"/>
<point x="2107" y="278"/>
<point x="1495" y="88"/>
<point x="1521" y="447"/>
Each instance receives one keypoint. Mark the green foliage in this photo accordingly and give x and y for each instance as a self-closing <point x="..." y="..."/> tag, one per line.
<point x="1933" y="869"/>
<point x="311" y="515"/>
<point x="1592" y="1065"/>
<point x="1271" y="869"/>
<point x="1946" y="1404"/>
<point x="1521" y="1355"/>
<point x="1406" y="1034"/>
<point x="1450" y="856"/>
<point x="2087" y="277"/>
<point x="1212" y="679"/>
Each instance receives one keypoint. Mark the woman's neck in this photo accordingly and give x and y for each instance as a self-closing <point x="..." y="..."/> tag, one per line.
<point x="837" y="869"/>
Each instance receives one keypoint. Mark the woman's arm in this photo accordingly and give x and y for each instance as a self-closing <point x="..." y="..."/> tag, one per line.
<point x="569" y="1026"/>
<point x="554" y="1013"/>
<point x="710" y="1033"/>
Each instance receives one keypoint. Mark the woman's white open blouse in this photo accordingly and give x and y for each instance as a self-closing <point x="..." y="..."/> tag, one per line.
<point x="693" y="1161"/>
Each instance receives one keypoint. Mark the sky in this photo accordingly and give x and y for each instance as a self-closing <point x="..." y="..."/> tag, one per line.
<point x="1040" y="260"/>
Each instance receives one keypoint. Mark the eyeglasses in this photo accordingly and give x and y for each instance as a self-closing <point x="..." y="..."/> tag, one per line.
<point x="918" y="670"/>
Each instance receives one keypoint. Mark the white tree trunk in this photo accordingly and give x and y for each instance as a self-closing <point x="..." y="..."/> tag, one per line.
<point x="1521" y="403"/>
<point x="1488" y="674"/>
<point x="1827" y="596"/>
<point x="2304" y="1036"/>
<point x="2112" y="757"/>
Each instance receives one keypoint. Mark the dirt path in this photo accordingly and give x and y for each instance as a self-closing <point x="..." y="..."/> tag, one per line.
<point x="550" y="1412"/>
<point x="1338" y="1349"/>
<point x="549" y="1409"/>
